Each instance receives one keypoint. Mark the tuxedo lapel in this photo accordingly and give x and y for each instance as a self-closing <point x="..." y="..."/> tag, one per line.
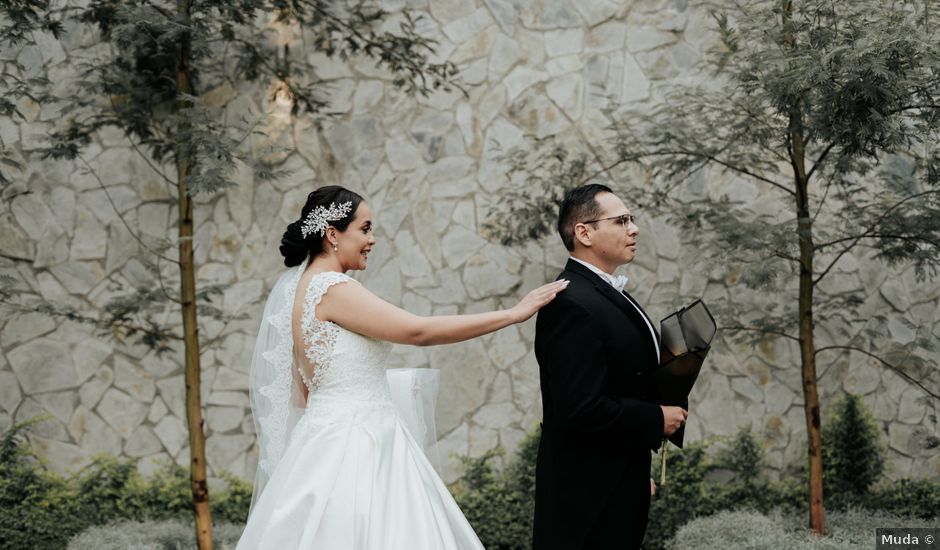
<point x="643" y="312"/>
<point x="619" y="299"/>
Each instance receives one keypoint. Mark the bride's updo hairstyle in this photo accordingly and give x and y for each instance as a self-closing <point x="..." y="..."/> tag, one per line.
<point x="294" y="247"/>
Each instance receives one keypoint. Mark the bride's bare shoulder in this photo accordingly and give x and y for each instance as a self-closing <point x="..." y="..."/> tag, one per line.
<point x="338" y="290"/>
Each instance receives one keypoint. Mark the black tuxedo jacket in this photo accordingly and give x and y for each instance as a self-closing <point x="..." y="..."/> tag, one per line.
<point x="594" y="351"/>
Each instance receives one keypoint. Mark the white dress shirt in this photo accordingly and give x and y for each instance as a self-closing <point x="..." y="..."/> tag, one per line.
<point x="609" y="279"/>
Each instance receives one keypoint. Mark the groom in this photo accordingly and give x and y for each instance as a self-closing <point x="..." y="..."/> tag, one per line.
<point x="595" y="346"/>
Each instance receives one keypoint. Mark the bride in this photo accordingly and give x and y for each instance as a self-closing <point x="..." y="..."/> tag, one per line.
<point x="338" y="468"/>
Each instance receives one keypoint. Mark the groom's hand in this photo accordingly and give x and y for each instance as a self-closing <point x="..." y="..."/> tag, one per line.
<point x="673" y="418"/>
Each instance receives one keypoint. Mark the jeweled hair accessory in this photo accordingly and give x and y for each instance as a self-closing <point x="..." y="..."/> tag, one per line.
<point x="320" y="217"/>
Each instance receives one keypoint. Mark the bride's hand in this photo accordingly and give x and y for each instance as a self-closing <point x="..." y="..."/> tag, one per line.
<point x="534" y="300"/>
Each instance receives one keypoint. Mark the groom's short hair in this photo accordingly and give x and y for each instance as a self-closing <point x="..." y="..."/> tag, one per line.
<point x="578" y="206"/>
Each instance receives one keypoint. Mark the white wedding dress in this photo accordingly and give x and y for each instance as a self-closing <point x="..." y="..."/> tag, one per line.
<point x="343" y="472"/>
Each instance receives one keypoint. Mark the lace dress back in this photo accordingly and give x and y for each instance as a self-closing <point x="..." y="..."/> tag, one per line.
<point x="336" y="362"/>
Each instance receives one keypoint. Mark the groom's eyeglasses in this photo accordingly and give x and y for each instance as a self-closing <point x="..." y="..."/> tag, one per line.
<point x="622" y="219"/>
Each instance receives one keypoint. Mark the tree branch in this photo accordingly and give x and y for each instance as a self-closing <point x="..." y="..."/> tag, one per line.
<point x="822" y="201"/>
<point x="787" y="257"/>
<point x="120" y="215"/>
<point x="895" y="368"/>
<point x="69" y="314"/>
<point x="710" y="158"/>
<point x="170" y="183"/>
<point x="275" y="72"/>
<point x="855" y="240"/>
<point x="749" y="173"/>
<point x="17" y="258"/>
<point x="763" y="330"/>
<point x="903" y="108"/>
<point x="162" y="286"/>
<point x="605" y="169"/>
<point x="819" y="161"/>
<point x="869" y="234"/>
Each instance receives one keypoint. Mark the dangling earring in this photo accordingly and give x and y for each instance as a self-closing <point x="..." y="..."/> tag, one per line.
<point x="335" y="248"/>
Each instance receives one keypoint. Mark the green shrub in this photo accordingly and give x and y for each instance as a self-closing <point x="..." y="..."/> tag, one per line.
<point x="853" y="457"/>
<point x="857" y="525"/>
<point x="745" y="457"/>
<point x="40" y="509"/>
<point x="918" y="498"/>
<point x="750" y="489"/>
<point x="790" y="494"/>
<point x="691" y="490"/>
<point x="730" y="530"/>
<point x="683" y="497"/>
<point x="750" y="530"/>
<point x="108" y="489"/>
<point x="232" y="504"/>
<point x="166" y="495"/>
<point x="500" y="505"/>
<point x="111" y="489"/>
<point x="152" y="535"/>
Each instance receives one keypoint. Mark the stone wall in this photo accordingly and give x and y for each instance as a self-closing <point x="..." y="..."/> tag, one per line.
<point x="430" y="168"/>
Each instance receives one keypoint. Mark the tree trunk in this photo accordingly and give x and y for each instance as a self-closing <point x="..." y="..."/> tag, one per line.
<point x="197" y="439"/>
<point x="808" y="347"/>
<point x="817" y="514"/>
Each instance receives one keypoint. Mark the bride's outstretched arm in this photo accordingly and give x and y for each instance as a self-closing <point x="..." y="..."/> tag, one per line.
<point x="355" y="308"/>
